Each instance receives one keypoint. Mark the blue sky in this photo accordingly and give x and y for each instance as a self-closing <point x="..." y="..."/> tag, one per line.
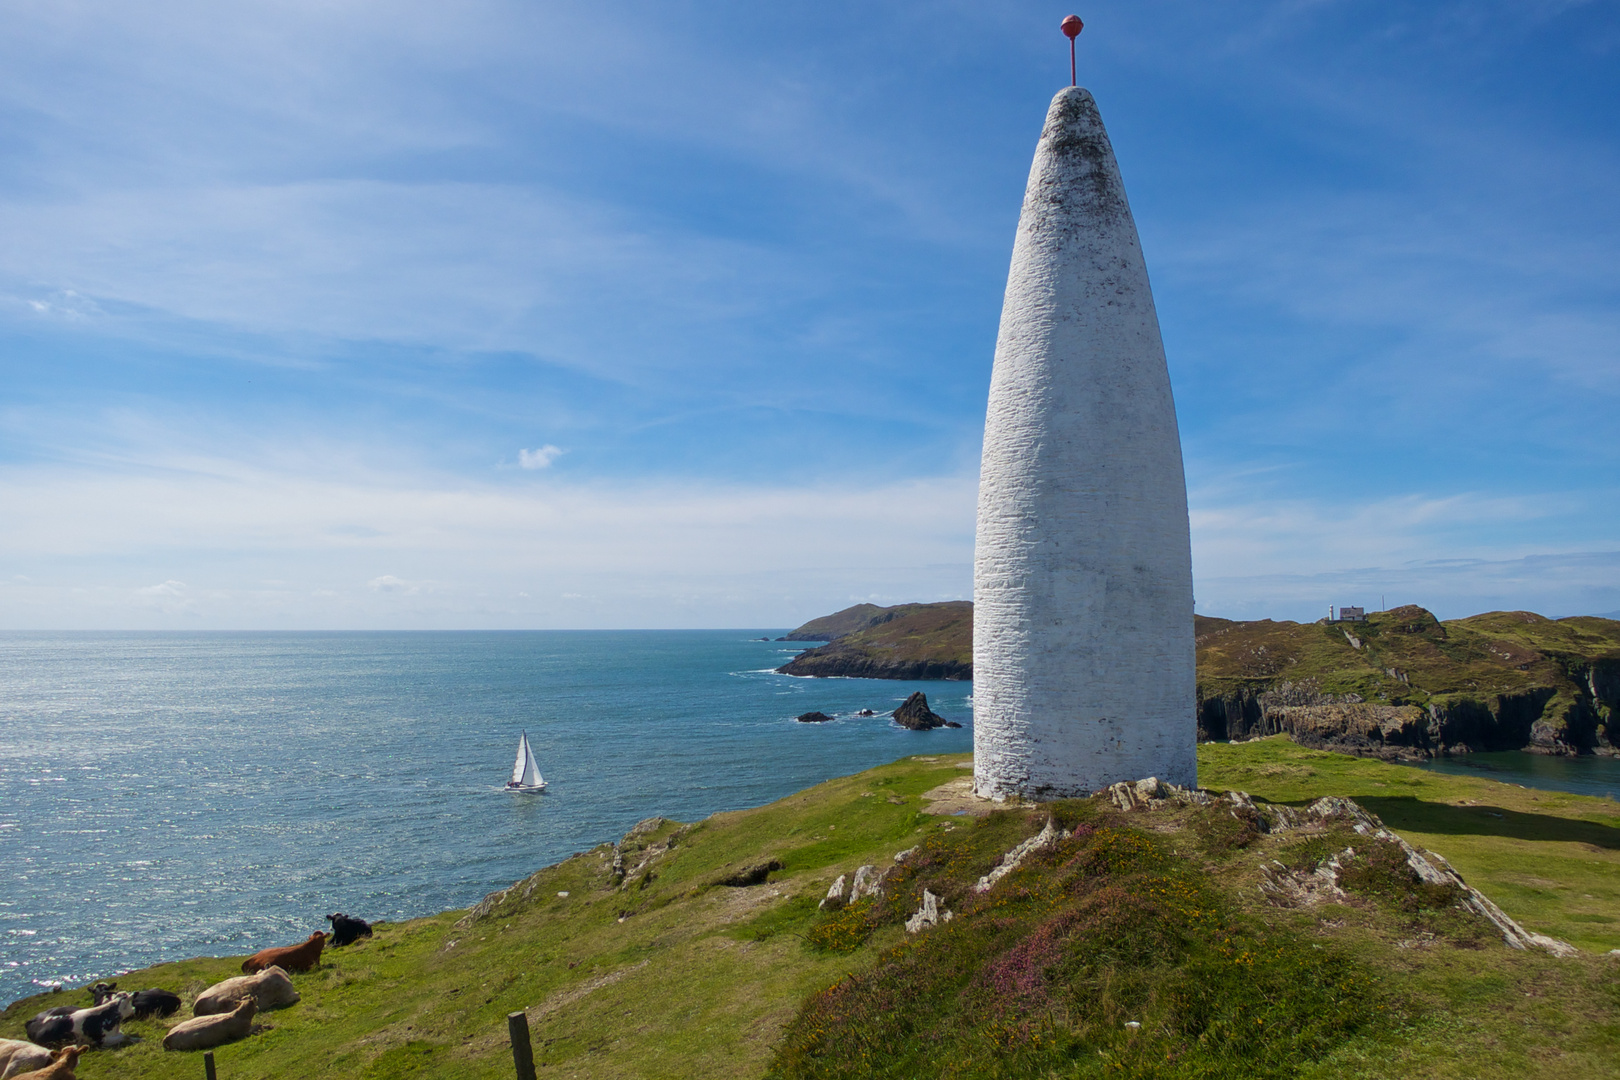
<point x="326" y="315"/>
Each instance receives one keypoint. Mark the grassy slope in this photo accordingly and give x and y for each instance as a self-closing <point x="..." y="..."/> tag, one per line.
<point x="837" y="624"/>
<point x="910" y="632"/>
<point x="1502" y="652"/>
<point x="1551" y="860"/>
<point x="700" y="979"/>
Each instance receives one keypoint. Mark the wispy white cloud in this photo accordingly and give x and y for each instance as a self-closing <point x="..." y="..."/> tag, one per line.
<point x="541" y="458"/>
<point x="271" y="548"/>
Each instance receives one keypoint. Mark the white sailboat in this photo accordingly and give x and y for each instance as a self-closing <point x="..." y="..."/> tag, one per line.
<point x="525" y="773"/>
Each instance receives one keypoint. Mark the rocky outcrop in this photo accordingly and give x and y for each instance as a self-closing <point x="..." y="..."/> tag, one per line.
<point x="916" y="715"/>
<point x="1321" y="882"/>
<point x="1047" y="837"/>
<point x="1454" y="724"/>
<point x="812" y="718"/>
<point x="929" y="914"/>
<point x="1411" y="686"/>
<point x="832" y="662"/>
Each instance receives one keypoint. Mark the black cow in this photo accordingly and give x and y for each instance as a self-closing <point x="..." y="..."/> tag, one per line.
<point x="346" y="928"/>
<point x="92" y="1027"/>
<point x="147" y="1002"/>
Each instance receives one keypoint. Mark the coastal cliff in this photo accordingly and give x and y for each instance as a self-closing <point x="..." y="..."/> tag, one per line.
<point x="907" y="641"/>
<point x="1401" y="685"/>
<point x="1405" y="685"/>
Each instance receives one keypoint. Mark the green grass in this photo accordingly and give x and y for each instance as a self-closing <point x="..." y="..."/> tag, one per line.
<point x="941" y="634"/>
<point x="1407" y="657"/>
<point x="1550" y="859"/>
<point x="702" y="979"/>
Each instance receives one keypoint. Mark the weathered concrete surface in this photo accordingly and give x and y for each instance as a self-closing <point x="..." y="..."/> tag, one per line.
<point x="1083" y="633"/>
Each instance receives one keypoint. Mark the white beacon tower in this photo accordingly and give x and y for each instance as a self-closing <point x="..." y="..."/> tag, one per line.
<point x="1083" y="661"/>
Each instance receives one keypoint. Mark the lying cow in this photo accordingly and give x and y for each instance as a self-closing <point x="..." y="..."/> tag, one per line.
<point x="147" y="1003"/>
<point x="305" y="957"/>
<point x="269" y="989"/>
<point x="205" y="1032"/>
<point x="89" y="1027"/>
<point x="60" y="1068"/>
<point x="347" y="928"/>
<point x="17" y="1056"/>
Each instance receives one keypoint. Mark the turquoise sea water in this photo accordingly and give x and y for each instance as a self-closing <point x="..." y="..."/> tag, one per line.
<point x="174" y="795"/>
<point x="1599" y="776"/>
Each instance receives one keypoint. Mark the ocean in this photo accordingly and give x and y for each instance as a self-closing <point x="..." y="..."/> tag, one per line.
<point x="165" y="795"/>
<point x="1596" y="776"/>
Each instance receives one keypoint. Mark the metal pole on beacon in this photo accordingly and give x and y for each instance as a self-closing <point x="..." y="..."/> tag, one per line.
<point x="1071" y="27"/>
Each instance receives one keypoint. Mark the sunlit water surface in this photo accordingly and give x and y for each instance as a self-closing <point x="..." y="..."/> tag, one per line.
<point x="1598" y="776"/>
<point x="174" y="795"/>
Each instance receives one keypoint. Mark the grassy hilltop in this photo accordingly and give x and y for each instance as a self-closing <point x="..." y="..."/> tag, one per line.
<point x="708" y="957"/>
<point x="1401" y="684"/>
<point x="907" y="641"/>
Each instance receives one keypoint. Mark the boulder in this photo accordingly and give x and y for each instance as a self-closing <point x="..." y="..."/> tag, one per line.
<point x="927" y="915"/>
<point x="916" y="715"/>
<point x="835" y="896"/>
<point x="868" y="882"/>
<point x="205" y="1032"/>
<point x="269" y="989"/>
<point x="812" y="718"/>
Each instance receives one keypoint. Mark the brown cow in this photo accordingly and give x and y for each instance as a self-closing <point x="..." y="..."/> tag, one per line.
<point x="305" y="957"/>
<point x="61" y="1068"/>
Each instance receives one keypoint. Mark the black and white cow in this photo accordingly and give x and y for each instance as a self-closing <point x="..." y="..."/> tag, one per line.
<point x="346" y="928"/>
<point x="147" y="1002"/>
<point x="97" y="1026"/>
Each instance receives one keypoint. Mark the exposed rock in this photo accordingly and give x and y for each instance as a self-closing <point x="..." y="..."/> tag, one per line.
<point x="1429" y="867"/>
<point x="1142" y="794"/>
<point x="1301" y="888"/>
<point x="927" y="915"/>
<point x="1009" y="862"/>
<point x="812" y="718"/>
<point x="835" y="896"/>
<point x="916" y="715"/>
<point x="866" y="712"/>
<point x="644" y="827"/>
<point x="868" y="882"/>
<point x="902" y="856"/>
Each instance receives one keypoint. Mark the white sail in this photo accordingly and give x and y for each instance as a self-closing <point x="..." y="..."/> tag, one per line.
<point x="531" y="770"/>
<point x="525" y="772"/>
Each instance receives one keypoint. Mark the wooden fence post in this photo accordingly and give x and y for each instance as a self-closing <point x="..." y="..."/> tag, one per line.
<point x="208" y="1065"/>
<point x="517" y="1024"/>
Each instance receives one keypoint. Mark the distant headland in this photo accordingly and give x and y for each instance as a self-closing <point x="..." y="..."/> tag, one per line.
<point x="1400" y="685"/>
<point x="907" y="641"/>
